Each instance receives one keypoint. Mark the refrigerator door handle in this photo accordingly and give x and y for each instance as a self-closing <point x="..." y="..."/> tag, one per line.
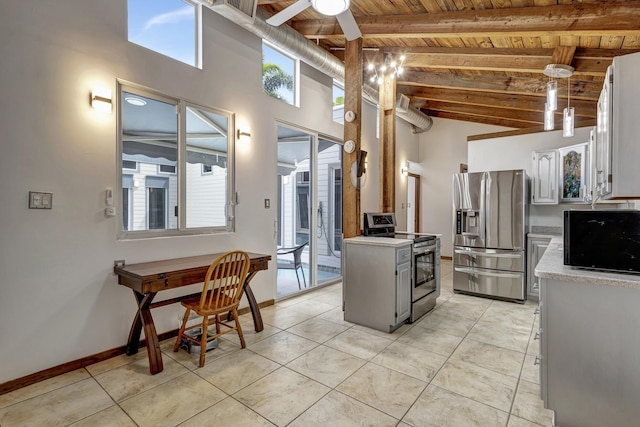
<point x="474" y="272"/>
<point x="486" y="254"/>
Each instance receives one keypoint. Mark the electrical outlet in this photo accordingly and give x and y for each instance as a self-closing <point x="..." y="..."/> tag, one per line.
<point x="267" y="203"/>
<point x="40" y="200"/>
<point x="118" y="263"/>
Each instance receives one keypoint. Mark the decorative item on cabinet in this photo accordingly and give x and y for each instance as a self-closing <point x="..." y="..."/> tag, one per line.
<point x="573" y="172"/>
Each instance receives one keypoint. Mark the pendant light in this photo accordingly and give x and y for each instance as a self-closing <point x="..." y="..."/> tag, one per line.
<point x="555" y="71"/>
<point x="568" y="114"/>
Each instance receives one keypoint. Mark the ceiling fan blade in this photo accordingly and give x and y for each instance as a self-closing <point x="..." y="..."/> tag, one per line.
<point x="287" y="13"/>
<point x="349" y="25"/>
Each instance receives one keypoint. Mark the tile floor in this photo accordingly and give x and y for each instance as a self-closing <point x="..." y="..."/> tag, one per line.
<point x="467" y="363"/>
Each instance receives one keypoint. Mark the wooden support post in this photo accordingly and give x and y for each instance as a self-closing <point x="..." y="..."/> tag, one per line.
<point x="387" y="100"/>
<point x="352" y="131"/>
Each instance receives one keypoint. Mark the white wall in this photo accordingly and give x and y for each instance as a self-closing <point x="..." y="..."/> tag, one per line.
<point x="514" y="152"/>
<point x="442" y="149"/>
<point x="59" y="300"/>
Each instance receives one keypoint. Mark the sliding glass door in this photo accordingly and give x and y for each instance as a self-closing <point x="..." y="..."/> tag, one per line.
<point x="309" y="210"/>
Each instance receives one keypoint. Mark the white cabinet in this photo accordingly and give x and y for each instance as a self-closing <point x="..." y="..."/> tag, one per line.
<point x="617" y="148"/>
<point x="544" y="182"/>
<point x="536" y="245"/>
<point x="589" y="353"/>
<point x="377" y="282"/>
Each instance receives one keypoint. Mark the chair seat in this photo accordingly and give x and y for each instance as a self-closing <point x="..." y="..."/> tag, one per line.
<point x="193" y="303"/>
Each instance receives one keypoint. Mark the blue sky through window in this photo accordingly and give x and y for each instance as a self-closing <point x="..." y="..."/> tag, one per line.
<point x="165" y="26"/>
<point x="287" y="65"/>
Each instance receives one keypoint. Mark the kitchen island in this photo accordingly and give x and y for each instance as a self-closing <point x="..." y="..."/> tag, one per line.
<point x="589" y="343"/>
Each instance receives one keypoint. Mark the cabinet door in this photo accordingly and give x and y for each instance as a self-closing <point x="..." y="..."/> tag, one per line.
<point x="603" y="170"/>
<point x="403" y="291"/>
<point x="535" y="250"/>
<point x="545" y="178"/>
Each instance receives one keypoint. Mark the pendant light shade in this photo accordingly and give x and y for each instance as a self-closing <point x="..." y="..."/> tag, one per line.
<point x="552" y="95"/>
<point x="568" y="121"/>
<point x="548" y="118"/>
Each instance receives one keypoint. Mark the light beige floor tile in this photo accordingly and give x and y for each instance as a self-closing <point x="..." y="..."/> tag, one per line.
<point x="530" y="371"/>
<point x="283" y="347"/>
<point x="59" y="407"/>
<point x="519" y="422"/>
<point x="431" y="340"/>
<point x="501" y="335"/>
<point x="312" y="307"/>
<point x="497" y="359"/>
<point x="282" y="395"/>
<point x="447" y="321"/>
<point x="317" y="329"/>
<point x="359" y="344"/>
<point x="335" y="315"/>
<point x="236" y="371"/>
<point x="468" y="306"/>
<point x="337" y="409"/>
<point x="332" y="298"/>
<point x="129" y="380"/>
<point x="326" y="365"/>
<point x="412" y="361"/>
<point x="227" y="413"/>
<point x="282" y="317"/>
<point x="382" y="388"/>
<point x="116" y="362"/>
<point x="110" y="417"/>
<point x="173" y="402"/>
<point x="192" y="361"/>
<point x="437" y="407"/>
<point x="515" y="314"/>
<point x="43" y="387"/>
<point x="479" y="384"/>
<point x="296" y="299"/>
<point x="249" y="333"/>
<point x="529" y="406"/>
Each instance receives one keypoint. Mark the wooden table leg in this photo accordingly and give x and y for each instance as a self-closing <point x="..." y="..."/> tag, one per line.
<point x="144" y="321"/>
<point x="253" y="304"/>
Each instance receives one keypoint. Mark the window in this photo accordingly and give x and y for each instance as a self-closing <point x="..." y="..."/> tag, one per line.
<point x="169" y="27"/>
<point x="169" y="193"/>
<point x="338" y="103"/>
<point x="279" y="74"/>
<point x="167" y="169"/>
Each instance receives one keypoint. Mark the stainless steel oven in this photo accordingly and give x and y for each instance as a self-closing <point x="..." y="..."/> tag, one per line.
<point x="426" y="275"/>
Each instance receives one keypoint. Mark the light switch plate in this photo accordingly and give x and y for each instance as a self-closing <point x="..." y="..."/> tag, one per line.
<point x="40" y="200"/>
<point x="267" y="203"/>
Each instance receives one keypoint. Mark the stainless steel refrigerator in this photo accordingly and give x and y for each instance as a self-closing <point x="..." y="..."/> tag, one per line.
<point x="490" y="220"/>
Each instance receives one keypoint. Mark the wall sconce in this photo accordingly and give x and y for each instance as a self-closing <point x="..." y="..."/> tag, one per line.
<point x="101" y="100"/>
<point x="405" y="168"/>
<point x="244" y="138"/>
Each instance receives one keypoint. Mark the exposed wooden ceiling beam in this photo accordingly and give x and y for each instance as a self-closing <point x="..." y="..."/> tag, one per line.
<point x="528" y="118"/>
<point x="479" y="119"/>
<point x="578" y="19"/>
<point x="420" y="97"/>
<point x="580" y="89"/>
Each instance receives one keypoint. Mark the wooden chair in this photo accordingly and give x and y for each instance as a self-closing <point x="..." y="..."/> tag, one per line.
<point x="297" y="261"/>
<point x="220" y="296"/>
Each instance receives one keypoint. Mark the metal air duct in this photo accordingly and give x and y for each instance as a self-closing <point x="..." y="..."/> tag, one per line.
<point x="294" y="42"/>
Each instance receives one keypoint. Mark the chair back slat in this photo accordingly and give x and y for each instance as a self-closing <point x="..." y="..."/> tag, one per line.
<point x="224" y="280"/>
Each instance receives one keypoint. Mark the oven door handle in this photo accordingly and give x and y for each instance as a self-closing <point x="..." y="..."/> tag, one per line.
<point x="486" y="254"/>
<point x="473" y="272"/>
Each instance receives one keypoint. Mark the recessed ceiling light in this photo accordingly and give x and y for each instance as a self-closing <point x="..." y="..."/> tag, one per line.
<point x="138" y="102"/>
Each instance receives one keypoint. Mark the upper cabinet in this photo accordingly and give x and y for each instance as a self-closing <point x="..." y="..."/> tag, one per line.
<point x="544" y="182"/>
<point x="616" y="170"/>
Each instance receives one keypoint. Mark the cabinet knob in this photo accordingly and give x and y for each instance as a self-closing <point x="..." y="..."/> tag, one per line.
<point x="538" y="360"/>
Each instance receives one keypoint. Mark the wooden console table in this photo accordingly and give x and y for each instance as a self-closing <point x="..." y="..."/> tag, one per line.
<point x="149" y="278"/>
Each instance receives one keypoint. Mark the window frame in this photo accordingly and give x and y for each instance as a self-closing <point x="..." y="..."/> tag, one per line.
<point x="181" y="109"/>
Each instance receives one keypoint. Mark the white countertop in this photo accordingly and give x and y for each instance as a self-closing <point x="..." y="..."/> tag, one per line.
<point x="551" y="266"/>
<point x="378" y="241"/>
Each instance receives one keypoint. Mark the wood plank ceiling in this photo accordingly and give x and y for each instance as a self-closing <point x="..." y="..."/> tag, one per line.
<point x="482" y="60"/>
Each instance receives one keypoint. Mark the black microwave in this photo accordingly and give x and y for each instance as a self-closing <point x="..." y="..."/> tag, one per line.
<point x="603" y="240"/>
